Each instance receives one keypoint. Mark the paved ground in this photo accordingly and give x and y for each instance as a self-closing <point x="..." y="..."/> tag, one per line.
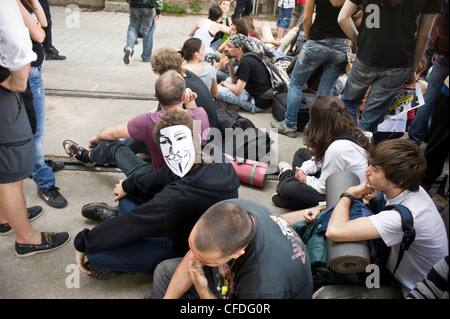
<point x="93" y="43"/>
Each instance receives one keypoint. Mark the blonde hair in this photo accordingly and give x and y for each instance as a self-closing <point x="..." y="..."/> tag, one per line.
<point x="165" y="59"/>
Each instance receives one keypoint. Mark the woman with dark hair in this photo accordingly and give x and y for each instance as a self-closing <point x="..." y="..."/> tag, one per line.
<point x="334" y="143"/>
<point x="193" y="52"/>
<point x="206" y="29"/>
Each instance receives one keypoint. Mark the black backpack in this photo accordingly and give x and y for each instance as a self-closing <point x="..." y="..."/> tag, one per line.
<point x="248" y="142"/>
<point x="279" y="107"/>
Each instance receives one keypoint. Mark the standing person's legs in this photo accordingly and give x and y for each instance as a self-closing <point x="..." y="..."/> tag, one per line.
<point x="42" y="174"/>
<point x="13" y="210"/>
<point x="380" y="97"/>
<point x="334" y="66"/>
<point x="297" y="15"/>
<point x="358" y="82"/>
<point x="437" y="149"/>
<point x="148" y="28"/>
<point x="311" y="57"/>
<point x="284" y="20"/>
<point x="132" y="33"/>
<point x="419" y="128"/>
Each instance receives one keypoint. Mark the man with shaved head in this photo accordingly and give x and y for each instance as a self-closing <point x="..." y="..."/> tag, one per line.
<point x="238" y="249"/>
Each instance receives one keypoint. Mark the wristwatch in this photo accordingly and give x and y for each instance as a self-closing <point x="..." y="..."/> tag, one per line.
<point x="352" y="198"/>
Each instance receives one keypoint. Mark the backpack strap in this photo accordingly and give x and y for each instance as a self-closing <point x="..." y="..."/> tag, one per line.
<point x="350" y="136"/>
<point x="409" y="233"/>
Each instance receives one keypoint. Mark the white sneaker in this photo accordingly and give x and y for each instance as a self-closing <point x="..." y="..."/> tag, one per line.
<point x="283" y="166"/>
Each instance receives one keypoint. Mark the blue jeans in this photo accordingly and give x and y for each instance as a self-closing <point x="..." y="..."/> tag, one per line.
<point x="244" y="100"/>
<point x="384" y="84"/>
<point x="284" y="17"/>
<point x="122" y="153"/>
<point x="419" y="129"/>
<point x="42" y="174"/>
<point x="141" y="17"/>
<point x="141" y="256"/>
<point x="311" y="57"/>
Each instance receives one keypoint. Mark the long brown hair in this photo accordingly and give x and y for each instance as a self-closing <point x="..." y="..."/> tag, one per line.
<point x="329" y="118"/>
<point x="28" y="4"/>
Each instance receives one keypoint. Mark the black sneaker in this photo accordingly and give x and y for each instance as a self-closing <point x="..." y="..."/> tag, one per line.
<point x="101" y="274"/>
<point x="55" y="165"/>
<point x="49" y="242"/>
<point x="52" y="197"/>
<point x="33" y="213"/>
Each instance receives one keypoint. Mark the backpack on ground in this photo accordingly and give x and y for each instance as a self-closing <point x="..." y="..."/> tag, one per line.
<point x="279" y="107"/>
<point x="240" y="137"/>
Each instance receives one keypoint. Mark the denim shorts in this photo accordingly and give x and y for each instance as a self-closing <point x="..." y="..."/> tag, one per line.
<point x="284" y="17"/>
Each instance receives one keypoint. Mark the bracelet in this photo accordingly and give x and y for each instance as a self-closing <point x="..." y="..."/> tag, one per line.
<point x="351" y="197"/>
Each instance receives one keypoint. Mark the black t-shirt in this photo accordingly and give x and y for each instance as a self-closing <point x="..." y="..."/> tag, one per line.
<point x="275" y="264"/>
<point x="254" y="73"/>
<point x="204" y="97"/>
<point x="390" y="44"/>
<point x="4" y="73"/>
<point x="37" y="47"/>
<point x="325" y="23"/>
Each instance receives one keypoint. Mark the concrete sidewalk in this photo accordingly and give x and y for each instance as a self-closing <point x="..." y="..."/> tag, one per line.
<point x="93" y="42"/>
<point x="94" y="50"/>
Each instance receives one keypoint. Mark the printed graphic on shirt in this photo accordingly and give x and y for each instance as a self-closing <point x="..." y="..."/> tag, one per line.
<point x="292" y="236"/>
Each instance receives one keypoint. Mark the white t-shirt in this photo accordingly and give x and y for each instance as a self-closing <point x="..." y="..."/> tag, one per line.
<point x="430" y="244"/>
<point x="341" y="155"/>
<point x="286" y="3"/>
<point x="15" y="44"/>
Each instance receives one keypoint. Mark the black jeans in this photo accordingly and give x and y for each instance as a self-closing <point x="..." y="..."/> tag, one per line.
<point x="297" y="194"/>
<point x="437" y="149"/>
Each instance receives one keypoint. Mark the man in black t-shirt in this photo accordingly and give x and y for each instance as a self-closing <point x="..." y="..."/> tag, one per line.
<point x="241" y="250"/>
<point x="390" y="48"/>
<point x="249" y="81"/>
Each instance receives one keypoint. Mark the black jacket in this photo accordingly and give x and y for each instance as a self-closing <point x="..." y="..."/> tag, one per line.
<point x="172" y="212"/>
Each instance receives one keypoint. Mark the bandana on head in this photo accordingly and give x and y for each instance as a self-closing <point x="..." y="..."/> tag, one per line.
<point x="177" y="148"/>
<point x="248" y="44"/>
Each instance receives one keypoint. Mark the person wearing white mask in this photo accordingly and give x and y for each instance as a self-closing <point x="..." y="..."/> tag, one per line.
<point x="157" y="210"/>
